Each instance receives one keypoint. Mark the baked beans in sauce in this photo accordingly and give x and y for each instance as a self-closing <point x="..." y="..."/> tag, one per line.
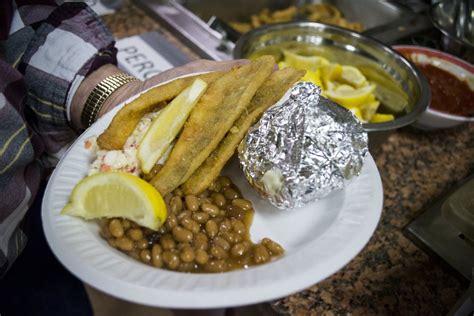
<point x="205" y="233"/>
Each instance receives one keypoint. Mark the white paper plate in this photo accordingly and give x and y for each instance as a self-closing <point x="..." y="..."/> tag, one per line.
<point x="319" y="240"/>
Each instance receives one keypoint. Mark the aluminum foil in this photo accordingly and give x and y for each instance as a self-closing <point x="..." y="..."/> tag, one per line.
<point x="303" y="148"/>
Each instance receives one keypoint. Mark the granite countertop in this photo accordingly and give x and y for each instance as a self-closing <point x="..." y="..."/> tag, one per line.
<point x="391" y="275"/>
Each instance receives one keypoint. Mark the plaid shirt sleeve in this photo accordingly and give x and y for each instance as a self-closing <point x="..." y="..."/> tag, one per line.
<point x="45" y="53"/>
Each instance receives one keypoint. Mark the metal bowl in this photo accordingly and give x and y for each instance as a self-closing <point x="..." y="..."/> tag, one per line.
<point x="346" y="47"/>
<point x="455" y="21"/>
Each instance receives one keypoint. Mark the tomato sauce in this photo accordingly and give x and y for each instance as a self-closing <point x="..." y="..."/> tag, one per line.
<point x="448" y="93"/>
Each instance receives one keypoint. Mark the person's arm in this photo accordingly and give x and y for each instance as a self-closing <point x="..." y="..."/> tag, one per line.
<point x="66" y="47"/>
<point x="19" y="173"/>
<point x="52" y="60"/>
<point x="45" y="53"/>
<point x="133" y="88"/>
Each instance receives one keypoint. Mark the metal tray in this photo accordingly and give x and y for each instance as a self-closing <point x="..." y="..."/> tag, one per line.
<point x="446" y="234"/>
<point x="372" y="13"/>
<point x="192" y="21"/>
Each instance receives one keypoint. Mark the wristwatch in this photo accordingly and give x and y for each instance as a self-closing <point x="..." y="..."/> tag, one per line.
<point x="96" y="99"/>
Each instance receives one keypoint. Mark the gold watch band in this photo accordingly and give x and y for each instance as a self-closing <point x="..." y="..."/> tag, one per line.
<point x="99" y="94"/>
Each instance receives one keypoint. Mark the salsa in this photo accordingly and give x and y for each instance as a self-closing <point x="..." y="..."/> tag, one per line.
<point x="448" y="93"/>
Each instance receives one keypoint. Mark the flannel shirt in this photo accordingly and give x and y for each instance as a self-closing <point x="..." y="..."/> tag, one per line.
<point x="46" y="51"/>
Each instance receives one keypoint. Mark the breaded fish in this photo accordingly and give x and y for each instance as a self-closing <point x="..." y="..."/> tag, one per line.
<point x="268" y="94"/>
<point x="224" y="101"/>
<point x="125" y="121"/>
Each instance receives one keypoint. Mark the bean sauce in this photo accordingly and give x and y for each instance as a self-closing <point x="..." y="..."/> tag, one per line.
<point x="205" y="233"/>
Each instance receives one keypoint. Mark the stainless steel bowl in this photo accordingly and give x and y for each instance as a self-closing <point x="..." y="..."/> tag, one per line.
<point x="455" y="21"/>
<point x="346" y="47"/>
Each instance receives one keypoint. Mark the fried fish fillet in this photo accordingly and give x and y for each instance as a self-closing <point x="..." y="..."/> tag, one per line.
<point x="125" y="121"/>
<point x="224" y="101"/>
<point x="267" y="95"/>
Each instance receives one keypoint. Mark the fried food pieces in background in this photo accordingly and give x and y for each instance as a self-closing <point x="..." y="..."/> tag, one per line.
<point x="324" y="13"/>
<point x="222" y="104"/>
<point x="329" y="14"/>
<point x="265" y="17"/>
<point x="125" y="121"/>
<point x="267" y="95"/>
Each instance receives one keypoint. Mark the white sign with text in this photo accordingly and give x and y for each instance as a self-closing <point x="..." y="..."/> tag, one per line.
<point x="139" y="59"/>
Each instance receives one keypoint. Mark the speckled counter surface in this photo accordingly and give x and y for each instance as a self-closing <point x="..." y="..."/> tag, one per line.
<point x="391" y="276"/>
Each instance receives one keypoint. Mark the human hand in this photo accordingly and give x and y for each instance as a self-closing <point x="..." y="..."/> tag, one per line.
<point x="133" y="88"/>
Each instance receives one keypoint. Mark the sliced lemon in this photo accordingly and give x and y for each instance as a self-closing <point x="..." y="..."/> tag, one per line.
<point x="342" y="88"/>
<point x="357" y="112"/>
<point x="379" y="118"/>
<point x="331" y="85"/>
<point x="282" y="65"/>
<point x="369" y="108"/>
<point x="313" y="76"/>
<point x="350" y="98"/>
<point x="352" y="76"/>
<point x="117" y="194"/>
<point x="330" y="73"/>
<point x="371" y="98"/>
<point x="167" y="125"/>
<point x="304" y="62"/>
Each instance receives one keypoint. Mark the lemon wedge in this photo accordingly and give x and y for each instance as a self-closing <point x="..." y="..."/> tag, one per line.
<point x="343" y="88"/>
<point x="349" y="97"/>
<point x="313" y="76"/>
<point x="352" y="76"/>
<point x="282" y="65"/>
<point x="369" y="108"/>
<point x="357" y="112"/>
<point x="330" y="73"/>
<point x="331" y="85"/>
<point x="117" y="194"/>
<point x="304" y="62"/>
<point x="379" y="118"/>
<point x="167" y="125"/>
